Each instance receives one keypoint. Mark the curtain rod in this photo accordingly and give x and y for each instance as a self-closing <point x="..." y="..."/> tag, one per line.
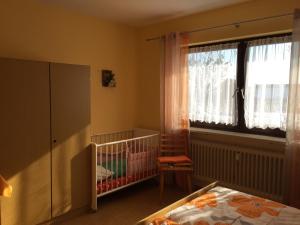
<point x="236" y="24"/>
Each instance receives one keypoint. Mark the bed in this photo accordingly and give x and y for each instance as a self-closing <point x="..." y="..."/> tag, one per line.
<point x="218" y="205"/>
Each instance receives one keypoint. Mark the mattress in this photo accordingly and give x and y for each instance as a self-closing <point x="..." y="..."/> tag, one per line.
<point x="112" y="183"/>
<point x="224" y="206"/>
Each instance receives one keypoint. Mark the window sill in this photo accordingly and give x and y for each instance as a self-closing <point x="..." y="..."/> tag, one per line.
<point x="241" y="139"/>
<point x="236" y="134"/>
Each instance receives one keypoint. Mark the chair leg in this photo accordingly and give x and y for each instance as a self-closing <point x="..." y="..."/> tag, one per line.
<point x="162" y="181"/>
<point x="189" y="182"/>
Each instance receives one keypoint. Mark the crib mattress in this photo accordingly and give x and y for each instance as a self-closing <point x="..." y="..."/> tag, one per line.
<point x="112" y="183"/>
<point x="224" y="206"/>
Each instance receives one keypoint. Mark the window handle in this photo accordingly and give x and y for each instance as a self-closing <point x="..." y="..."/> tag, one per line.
<point x="236" y="91"/>
<point x="243" y="92"/>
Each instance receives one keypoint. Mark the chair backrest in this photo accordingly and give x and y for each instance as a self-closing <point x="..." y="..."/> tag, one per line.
<point x="173" y="144"/>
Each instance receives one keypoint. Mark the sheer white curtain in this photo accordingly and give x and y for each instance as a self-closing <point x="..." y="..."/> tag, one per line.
<point x="267" y="79"/>
<point x="174" y="88"/>
<point x="293" y="121"/>
<point x="212" y="83"/>
<point x="174" y="83"/>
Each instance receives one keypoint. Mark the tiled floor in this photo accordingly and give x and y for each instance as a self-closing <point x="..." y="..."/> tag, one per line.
<point x="128" y="206"/>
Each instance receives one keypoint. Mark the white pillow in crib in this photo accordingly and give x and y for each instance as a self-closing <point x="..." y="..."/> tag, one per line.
<point x="103" y="173"/>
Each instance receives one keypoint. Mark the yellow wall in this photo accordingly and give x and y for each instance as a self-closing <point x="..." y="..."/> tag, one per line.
<point x="34" y="30"/>
<point x="149" y="66"/>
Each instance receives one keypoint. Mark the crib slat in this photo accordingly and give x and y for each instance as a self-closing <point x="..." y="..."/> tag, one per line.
<point x="138" y="152"/>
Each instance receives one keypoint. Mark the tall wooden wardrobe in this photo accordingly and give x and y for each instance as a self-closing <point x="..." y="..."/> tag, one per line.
<point x="44" y="139"/>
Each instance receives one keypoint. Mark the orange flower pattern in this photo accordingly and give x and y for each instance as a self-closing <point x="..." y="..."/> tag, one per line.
<point x="201" y="222"/>
<point x="163" y="221"/>
<point x="208" y="199"/>
<point x="221" y="223"/>
<point x="223" y="206"/>
<point x="253" y="207"/>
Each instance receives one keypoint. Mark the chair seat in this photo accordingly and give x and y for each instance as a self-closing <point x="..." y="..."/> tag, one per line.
<point x="174" y="159"/>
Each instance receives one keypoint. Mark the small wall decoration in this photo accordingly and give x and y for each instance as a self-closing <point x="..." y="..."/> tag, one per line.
<point x="108" y="78"/>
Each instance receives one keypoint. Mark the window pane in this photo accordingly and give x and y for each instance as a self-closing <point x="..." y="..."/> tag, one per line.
<point x="267" y="78"/>
<point x="212" y="84"/>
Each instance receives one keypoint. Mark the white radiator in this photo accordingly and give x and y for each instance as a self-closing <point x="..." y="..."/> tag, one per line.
<point x="253" y="170"/>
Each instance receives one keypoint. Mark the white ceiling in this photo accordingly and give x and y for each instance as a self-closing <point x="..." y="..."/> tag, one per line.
<point x="142" y="12"/>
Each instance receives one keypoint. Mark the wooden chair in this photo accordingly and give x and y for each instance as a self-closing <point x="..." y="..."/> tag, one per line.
<point x="173" y="157"/>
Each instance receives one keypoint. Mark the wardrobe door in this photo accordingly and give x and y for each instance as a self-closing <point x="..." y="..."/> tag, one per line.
<point x="25" y="141"/>
<point x="70" y="119"/>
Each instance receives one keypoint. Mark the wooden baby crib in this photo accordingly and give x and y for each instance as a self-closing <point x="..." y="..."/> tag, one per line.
<point x="121" y="159"/>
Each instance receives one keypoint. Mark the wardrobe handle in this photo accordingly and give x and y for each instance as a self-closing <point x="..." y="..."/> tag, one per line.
<point x="54" y="141"/>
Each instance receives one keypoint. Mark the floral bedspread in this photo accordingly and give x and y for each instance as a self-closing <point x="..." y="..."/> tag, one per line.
<point x="223" y="206"/>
